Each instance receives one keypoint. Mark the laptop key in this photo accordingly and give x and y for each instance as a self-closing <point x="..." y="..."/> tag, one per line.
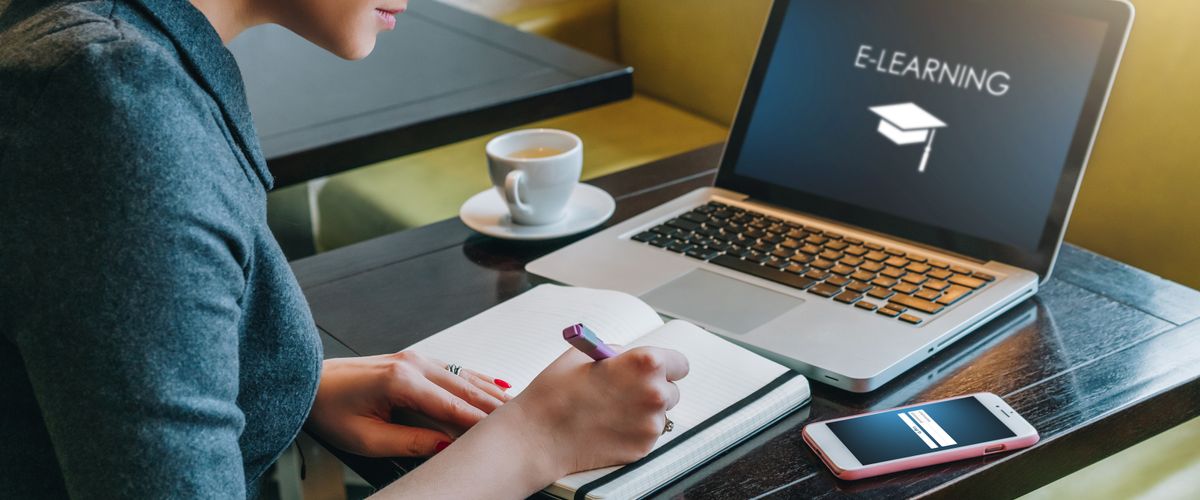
<point x="775" y="262"/>
<point x="891" y="313"/>
<point x="966" y="281"/>
<point x="896" y="261"/>
<point x="825" y="290"/>
<point x="796" y="268"/>
<point x="893" y="272"/>
<point x="852" y="261"/>
<point x="685" y="225"/>
<point x="938" y="264"/>
<point x="770" y="274"/>
<point x="884" y="281"/>
<point x="645" y="237"/>
<point x="662" y="242"/>
<point x="915" y="279"/>
<point x="859" y="286"/>
<point x="938" y="285"/>
<point x="905" y="288"/>
<point x="922" y="305"/>
<point x="702" y="253"/>
<point x="871" y="267"/>
<point x="908" y="318"/>
<point x="953" y="294"/>
<point x="862" y="304"/>
<point x="880" y="293"/>
<point x="856" y="250"/>
<point x="801" y="258"/>
<point x="862" y="275"/>
<point x="927" y="294"/>
<point x="838" y="281"/>
<point x="848" y="297"/>
<point x="842" y="269"/>
<point x="695" y="216"/>
<point x="875" y="255"/>
<point x="830" y="255"/>
<point x="940" y="274"/>
<point x="917" y="267"/>
<point x="961" y="270"/>
<point x="984" y="277"/>
<point x="836" y="245"/>
<point x="822" y="264"/>
<point x="816" y="274"/>
<point x="679" y="246"/>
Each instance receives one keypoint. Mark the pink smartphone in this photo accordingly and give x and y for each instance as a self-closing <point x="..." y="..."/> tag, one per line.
<point x="914" y="436"/>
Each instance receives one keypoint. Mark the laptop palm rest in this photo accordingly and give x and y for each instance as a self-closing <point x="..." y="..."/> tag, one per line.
<point x="712" y="300"/>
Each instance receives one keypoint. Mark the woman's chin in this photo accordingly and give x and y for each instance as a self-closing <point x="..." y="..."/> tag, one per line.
<point x="354" y="49"/>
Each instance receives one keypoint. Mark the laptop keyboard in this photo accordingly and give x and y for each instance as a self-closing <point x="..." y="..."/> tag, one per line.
<point x="861" y="274"/>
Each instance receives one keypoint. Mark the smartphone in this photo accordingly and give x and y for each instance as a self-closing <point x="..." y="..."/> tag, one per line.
<point x="918" y="435"/>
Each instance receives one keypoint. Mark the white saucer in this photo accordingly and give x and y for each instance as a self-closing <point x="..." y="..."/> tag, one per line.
<point x="487" y="213"/>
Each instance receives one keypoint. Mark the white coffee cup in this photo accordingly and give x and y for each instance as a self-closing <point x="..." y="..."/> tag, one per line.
<point x="535" y="172"/>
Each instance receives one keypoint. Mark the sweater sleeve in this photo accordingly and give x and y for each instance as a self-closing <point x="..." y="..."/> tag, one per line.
<point x="129" y="264"/>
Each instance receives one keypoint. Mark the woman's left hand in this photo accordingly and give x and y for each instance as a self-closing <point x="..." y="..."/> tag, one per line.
<point x="356" y="397"/>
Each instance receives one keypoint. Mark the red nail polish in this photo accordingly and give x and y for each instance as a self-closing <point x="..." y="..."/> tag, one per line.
<point x="441" y="445"/>
<point x="502" y="384"/>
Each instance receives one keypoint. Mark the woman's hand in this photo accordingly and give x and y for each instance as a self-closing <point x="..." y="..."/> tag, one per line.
<point x="356" y="398"/>
<point x="577" y="415"/>
<point x="589" y="414"/>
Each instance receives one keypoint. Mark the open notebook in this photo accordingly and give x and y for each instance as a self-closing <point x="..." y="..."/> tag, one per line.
<point x="729" y="394"/>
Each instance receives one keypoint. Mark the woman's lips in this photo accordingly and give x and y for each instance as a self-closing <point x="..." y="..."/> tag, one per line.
<point x="388" y="16"/>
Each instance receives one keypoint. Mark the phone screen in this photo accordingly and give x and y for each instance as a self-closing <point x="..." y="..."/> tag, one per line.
<point x="919" y="430"/>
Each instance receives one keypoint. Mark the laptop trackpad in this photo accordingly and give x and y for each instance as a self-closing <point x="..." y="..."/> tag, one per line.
<point x="717" y="301"/>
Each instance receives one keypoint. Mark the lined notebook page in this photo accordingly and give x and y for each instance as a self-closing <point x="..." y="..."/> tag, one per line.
<point x="518" y="338"/>
<point x="721" y="374"/>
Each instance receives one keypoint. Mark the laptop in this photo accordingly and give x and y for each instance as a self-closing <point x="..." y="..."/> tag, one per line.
<point x="899" y="173"/>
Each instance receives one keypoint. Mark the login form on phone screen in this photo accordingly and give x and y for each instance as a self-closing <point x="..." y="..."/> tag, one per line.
<point x="919" y="430"/>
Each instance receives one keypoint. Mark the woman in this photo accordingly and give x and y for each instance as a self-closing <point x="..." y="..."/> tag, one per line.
<point x="155" y="341"/>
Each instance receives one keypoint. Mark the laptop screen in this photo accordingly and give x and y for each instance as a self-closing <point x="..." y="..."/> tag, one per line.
<point x="944" y="117"/>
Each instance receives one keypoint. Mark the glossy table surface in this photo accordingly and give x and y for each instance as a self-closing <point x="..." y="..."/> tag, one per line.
<point x="1104" y="356"/>
<point x="442" y="76"/>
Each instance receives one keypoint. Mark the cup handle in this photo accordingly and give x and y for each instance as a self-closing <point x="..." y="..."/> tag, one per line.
<point x="512" y="194"/>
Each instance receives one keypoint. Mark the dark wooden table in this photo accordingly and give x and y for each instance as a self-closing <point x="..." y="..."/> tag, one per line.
<point x="1103" y="357"/>
<point x="442" y="76"/>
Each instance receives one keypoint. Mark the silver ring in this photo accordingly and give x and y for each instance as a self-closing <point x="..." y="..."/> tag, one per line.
<point x="668" y="427"/>
<point x="453" y="368"/>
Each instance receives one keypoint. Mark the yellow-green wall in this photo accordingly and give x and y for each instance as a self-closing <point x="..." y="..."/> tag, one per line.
<point x="1140" y="199"/>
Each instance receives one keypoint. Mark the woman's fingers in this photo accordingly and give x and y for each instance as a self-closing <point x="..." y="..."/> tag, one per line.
<point x="384" y="439"/>
<point x="462" y="387"/>
<point x="440" y="404"/>
<point x="489" y="385"/>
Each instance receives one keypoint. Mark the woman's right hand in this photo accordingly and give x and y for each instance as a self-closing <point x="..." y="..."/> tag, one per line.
<point x="576" y="415"/>
<point x="594" y="414"/>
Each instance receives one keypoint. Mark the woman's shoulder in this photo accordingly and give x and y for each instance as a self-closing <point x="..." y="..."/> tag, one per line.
<point x="91" y="43"/>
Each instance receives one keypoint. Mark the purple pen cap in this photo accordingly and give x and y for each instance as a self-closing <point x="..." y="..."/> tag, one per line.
<point x="583" y="338"/>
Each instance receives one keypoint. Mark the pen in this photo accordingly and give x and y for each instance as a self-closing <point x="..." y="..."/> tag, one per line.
<point x="583" y="338"/>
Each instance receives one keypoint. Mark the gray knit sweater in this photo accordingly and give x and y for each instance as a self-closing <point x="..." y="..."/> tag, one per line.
<point x="153" y="340"/>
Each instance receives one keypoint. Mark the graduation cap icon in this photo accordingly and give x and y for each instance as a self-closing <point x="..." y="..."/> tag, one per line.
<point x="907" y="123"/>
